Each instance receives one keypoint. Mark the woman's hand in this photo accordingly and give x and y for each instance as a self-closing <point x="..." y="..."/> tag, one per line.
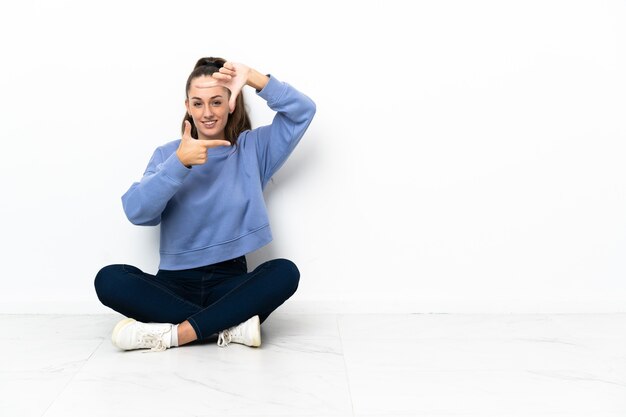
<point x="234" y="76"/>
<point x="193" y="151"/>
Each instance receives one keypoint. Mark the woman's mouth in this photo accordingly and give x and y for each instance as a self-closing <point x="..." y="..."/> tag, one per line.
<point x="209" y="125"/>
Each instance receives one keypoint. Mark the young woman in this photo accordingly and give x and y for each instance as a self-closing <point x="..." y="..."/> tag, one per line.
<point x="206" y="192"/>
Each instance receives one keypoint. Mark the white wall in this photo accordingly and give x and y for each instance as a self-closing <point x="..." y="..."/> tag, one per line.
<point x="466" y="155"/>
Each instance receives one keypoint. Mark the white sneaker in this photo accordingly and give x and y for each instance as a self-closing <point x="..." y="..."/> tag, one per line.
<point x="131" y="334"/>
<point x="247" y="333"/>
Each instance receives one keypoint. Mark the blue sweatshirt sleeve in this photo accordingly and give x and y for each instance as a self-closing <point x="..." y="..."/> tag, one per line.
<point x="145" y="200"/>
<point x="275" y="142"/>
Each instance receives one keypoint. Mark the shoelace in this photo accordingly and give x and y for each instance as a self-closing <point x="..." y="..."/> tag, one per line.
<point x="154" y="340"/>
<point x="224" y="338"/>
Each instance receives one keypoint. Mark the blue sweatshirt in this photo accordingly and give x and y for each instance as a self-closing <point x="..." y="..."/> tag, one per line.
<point x="215" y="211"/>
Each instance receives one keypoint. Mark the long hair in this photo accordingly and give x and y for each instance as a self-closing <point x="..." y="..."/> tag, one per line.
<point x="238" y="120"/>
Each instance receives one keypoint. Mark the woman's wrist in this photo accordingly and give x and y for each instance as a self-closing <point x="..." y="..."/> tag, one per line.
<point x="257" y="80"/>
<point x="178" y="155"/>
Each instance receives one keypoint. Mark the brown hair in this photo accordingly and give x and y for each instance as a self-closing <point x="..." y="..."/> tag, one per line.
<point x="238" y="120"/>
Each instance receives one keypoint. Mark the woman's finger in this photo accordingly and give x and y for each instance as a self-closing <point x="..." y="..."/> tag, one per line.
<point x="212" y="143"/>
<point x="220" y="76"/>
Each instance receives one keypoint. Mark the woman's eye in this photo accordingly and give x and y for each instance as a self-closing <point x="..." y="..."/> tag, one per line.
<point x="217" y="103"/>
<point x="197" y="104"/>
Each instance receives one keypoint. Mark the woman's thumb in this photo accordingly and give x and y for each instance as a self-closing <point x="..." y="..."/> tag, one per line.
<point x="187" y="132"/>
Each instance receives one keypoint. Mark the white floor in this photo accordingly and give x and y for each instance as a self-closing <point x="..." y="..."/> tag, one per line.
<point x="324" y="365"/>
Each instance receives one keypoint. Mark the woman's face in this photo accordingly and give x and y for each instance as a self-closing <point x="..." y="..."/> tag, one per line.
<point x="207" y="103"/>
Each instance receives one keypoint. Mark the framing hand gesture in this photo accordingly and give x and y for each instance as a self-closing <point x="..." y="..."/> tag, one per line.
<point x="193" y="151"/>
<point x="233" y="76"/>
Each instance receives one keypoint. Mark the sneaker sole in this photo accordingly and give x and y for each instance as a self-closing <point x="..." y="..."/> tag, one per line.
<point x="118" y="328"/>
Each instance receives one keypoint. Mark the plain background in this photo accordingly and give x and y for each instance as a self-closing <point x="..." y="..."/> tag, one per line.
<point x="466" y="156"/>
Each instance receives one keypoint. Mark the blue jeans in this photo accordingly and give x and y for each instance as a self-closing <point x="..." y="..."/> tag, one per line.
<point x="212" y="298"/>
